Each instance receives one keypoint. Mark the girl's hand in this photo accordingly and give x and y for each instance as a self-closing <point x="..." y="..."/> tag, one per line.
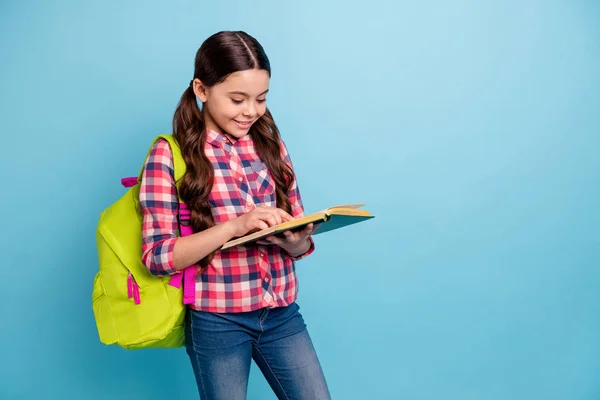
<point x="260" y="218"/>
<point x="295" y="243"/>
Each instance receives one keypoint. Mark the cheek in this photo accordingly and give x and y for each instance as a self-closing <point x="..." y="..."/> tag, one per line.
<point x="261" y="109"/>
<point x="227" y="110"/>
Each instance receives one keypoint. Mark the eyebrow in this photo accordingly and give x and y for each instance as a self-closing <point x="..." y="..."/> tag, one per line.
<point x="246" y="94"/>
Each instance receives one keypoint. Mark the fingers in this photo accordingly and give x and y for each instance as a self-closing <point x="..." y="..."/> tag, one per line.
<point x="281" y="215"/>
<point x="275" y="215"/>
<point x="284" y="215"/>
<point x="290" y="236"/>
<point x="302" y="235"/>
<point x="309" y="229"/>
<point x="260" y="224"/>
<point x="264" y="216"/>
<point x="276" y="240"/>
<point x="272" y="216"/>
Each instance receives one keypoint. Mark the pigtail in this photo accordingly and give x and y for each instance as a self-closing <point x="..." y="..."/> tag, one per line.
<point x="190" y="132"/>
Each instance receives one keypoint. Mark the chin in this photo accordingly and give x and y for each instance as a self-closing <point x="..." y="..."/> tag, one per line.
<point x="238" y="133"/>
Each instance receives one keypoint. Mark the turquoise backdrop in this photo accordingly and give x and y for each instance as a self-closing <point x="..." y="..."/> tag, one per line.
<point x="471" y="129"/>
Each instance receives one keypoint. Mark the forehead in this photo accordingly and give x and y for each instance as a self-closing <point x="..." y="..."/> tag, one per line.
<point x="250" y="81"/>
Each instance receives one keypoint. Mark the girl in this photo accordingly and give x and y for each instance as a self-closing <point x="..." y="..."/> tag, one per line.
<point x="239" y="178"/>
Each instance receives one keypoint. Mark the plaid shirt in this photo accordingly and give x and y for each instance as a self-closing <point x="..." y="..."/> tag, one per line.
<point x="239" y="279"/>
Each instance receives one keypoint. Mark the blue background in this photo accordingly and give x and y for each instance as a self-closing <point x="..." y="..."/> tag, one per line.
<point x="471" y="130"/>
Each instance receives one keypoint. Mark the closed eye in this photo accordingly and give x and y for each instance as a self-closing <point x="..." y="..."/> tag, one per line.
<point x="236" y="101"/>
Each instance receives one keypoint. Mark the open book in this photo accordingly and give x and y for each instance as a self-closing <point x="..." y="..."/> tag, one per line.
<point x="332" y="218"/>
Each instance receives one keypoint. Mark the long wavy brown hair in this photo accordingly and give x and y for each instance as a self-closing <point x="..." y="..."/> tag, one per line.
<point x="219" y="56"/>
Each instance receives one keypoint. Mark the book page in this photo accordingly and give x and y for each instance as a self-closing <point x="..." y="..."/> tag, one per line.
<point x="356" y="205"/>
<point x="346" y="210"/>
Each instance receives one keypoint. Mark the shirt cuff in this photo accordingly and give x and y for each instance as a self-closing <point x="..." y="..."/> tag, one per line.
<point x="161" y="263"/>
<point x="306" y="253"/>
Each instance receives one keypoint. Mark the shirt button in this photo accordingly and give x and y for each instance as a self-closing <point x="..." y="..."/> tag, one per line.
<point x="262" y="254"/>
<point x="267" y="280"/>
<point x="231" y="154"/>
<point x="240" y="179"/>
<point x="248" y="204"/>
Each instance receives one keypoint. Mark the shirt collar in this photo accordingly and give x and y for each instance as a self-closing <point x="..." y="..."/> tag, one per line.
<point x="217" y="139"/>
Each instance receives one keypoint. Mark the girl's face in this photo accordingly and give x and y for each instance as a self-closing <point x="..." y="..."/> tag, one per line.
<point x="233" y="105"/>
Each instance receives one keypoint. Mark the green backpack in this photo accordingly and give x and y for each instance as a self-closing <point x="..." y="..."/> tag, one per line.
<point x="133" y="308"/>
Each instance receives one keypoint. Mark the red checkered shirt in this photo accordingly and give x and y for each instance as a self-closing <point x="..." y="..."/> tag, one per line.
<point x="239" y="279"/>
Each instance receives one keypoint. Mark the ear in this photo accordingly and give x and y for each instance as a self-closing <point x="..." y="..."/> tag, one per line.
<point x="199" y="90"/>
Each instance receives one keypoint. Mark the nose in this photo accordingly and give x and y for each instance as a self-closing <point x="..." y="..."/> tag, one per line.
<point x="250" y="110"/>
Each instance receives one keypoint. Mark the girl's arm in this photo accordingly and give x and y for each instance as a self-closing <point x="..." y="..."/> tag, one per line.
<point x="163" y="252"/>
<point x="188" y="250"/>
<point x="159" y="205"/>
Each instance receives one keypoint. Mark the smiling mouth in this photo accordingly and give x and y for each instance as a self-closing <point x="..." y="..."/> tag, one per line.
<point x="243" y="124"/>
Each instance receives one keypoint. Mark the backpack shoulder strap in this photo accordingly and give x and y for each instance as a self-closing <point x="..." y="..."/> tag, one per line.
<point x="179" y="167"/>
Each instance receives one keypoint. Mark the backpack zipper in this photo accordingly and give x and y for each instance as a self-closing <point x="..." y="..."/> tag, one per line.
<point x="133" y="290"/>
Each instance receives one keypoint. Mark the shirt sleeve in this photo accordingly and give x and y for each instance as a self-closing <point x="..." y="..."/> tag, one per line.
<point x="295" y="200"/>
<point x="160" y="206"/>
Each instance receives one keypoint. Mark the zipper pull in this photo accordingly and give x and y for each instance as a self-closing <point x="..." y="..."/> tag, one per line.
<point x="136" y="293"/>
<point x="129" y="286"/>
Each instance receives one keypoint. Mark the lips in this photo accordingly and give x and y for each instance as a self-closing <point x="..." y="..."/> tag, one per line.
<point x="243" y="124"/>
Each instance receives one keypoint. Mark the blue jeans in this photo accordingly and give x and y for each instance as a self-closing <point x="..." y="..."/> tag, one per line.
<point x="221" y="347"/>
